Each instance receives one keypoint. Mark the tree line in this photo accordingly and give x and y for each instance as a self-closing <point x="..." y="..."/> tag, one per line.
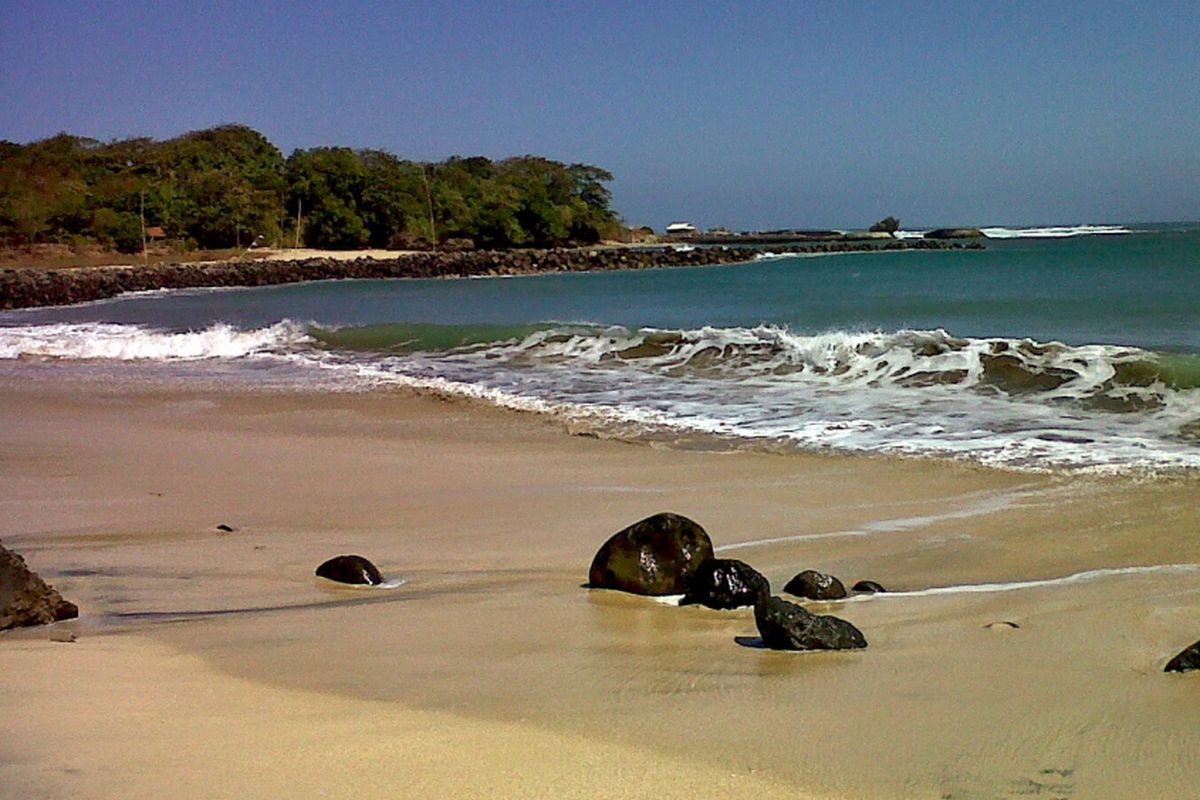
<point x="229" y="186"/>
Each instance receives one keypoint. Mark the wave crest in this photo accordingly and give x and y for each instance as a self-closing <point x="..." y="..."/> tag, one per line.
<point x="1103" y="377"/>
<point x="98" y="340"/>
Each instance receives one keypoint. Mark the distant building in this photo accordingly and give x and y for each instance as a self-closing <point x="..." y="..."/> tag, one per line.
<point x="681" y="229"/>
<point x="155" y="232"/>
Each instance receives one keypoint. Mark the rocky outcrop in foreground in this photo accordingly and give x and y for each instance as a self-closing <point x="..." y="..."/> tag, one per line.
<point x="1188" y="660"/>
<point x="816" y="586"/>
<point x="726" y="583"/>
<point x="26" y="599"/>
<point x="27" y="287"/>
<point x="354" y="570"/>
<point x="787" y="626"/>
<point x="656" y="556"/>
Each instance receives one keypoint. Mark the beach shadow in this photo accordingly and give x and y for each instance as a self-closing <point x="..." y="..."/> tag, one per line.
<point x="752" y="642"/>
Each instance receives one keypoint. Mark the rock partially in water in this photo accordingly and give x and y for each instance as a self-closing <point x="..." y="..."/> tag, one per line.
<point x="350" y="569"/>
<point x="869" y="587"/>
<point x="26" y="599"/>
<point x="726" y="583"/>
<point x="1013" y="375"/>
<point x="787" y="626"/>
<point x="955" y="233"/>
<point x="1189" y="659"/>
<point x="655" y="556"/>
<point x="815" y="586"/>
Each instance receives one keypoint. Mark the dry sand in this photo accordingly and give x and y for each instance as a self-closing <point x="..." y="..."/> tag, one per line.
<point x="216" y="665"/>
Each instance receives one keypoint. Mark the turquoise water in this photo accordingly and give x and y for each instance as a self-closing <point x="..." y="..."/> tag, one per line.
<point x="1076" y="352"/>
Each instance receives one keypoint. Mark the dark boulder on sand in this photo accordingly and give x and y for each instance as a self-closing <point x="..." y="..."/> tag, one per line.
<point x="1189" y="659"/>
<point x="787" y="626"/>
<point x="868" y="587"/>
<point x="816" y="586"/>
<point x="26" y="599"/>
<point x="726" y="583"/>
<point x="655" y="556"/>
<point x="350" y="569"/>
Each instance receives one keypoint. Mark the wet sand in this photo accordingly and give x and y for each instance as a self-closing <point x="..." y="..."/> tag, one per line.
<point x="215" y="664"/>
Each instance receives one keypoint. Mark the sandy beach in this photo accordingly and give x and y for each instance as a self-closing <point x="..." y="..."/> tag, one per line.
<point x="212" y="664"/>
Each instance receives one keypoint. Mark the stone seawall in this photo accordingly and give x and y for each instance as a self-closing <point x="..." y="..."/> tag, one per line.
<point x="28" y="287"/>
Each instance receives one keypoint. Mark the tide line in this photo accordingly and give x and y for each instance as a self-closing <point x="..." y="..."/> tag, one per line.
<point x="1013" y="586"/>
<point x="988" y="503"/>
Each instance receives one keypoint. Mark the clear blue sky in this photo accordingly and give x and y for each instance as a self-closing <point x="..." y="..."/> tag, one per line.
<point x="744" y="114"/>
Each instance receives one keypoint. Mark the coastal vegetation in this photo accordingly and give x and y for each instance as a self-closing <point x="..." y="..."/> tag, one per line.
<point x="229" y="187"/>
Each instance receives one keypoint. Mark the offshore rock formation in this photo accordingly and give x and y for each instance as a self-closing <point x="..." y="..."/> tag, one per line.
<point x="27" y="287"/>
<point x="955" y="233"/>
<point x="26" y="599"/>
<point x="655" y="556"/>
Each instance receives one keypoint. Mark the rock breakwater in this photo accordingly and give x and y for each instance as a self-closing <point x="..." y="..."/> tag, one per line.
<point x="29" y="287"/>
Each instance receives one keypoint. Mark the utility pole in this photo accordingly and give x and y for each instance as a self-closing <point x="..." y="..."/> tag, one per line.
<point x="429" y="205"/>
<point x="142" y="194"/>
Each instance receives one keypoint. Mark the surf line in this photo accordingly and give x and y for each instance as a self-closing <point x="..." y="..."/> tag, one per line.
<point x="1012" y="586"/>
<point x="988" y="502"/>
<point x="990" y="505"/>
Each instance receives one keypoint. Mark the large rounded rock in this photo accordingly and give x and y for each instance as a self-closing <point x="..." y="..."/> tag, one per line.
<point x="815" y="586"/>
<point x="655" y="556"/>
<point x="1189" y="659"/>
<point x="869" y="587"/>
<point x="726" y="583"/>
<point x="26" y="599"/>
<point x="787" y="626"/>
<point x="350" y="569"/>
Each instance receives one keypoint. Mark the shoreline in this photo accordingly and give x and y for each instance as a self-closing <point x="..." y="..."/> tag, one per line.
<point x="491" y="670"/>
<point x="32" y="287"/>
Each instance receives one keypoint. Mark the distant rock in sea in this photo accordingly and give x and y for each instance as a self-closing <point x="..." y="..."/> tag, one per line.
<point x="655" y="556"/>
<point x="868" y="587"/>
<point x="955" y="233"/>
<point x="350" y="569"/>
<point x="26" y="599"/>
<point x="787" y="626"/>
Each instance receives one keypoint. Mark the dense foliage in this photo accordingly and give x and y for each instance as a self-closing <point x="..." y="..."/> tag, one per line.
<point x="228" y="186"/>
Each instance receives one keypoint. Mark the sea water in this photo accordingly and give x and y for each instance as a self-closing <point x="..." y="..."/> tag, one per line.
<point x="1056" y="347"/>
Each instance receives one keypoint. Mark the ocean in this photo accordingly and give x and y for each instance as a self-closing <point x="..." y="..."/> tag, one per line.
<point x="1055" y="348"/>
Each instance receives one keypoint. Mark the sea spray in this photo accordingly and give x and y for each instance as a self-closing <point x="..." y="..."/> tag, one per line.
<point x="1015" y="403"/>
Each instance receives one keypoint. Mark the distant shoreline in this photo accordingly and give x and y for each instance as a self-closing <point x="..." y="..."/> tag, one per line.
<point x="31" y="287"/>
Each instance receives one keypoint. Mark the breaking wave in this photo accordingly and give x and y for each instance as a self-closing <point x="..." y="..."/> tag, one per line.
<point x="98" y="340"/>
<point x="1045" y="232"/>
<point x="1015" y="403"/>
<point x="1055" y="232"/>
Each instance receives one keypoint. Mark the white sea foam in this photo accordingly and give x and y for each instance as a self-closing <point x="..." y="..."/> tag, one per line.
<point x="96" y="340"/>
<point x="1055" y="232"/>
<point x="977" y="505"/>
<point x="1015" y="586"/>
<point x="1005" y="402"/>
